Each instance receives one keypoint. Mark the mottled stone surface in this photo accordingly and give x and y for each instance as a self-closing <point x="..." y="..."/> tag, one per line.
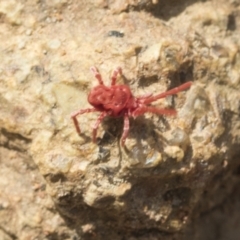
<point x="172" y="171"/>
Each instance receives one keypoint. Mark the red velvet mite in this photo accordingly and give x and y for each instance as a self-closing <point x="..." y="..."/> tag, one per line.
<point x="118" y="100"/>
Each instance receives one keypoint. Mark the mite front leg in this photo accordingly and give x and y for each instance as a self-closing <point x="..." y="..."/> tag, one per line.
<point x="96" y="125"/>
<point x="97" y="75"/>
<point x="115" y="74"/>
<point x="75" y="114"/>
<point x="125" y="129"/>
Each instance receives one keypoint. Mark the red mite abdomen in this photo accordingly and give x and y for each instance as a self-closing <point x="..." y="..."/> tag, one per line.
<point x="113" y="99"/>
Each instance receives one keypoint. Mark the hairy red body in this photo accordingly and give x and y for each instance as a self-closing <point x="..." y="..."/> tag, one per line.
<point x="117" y="100"/>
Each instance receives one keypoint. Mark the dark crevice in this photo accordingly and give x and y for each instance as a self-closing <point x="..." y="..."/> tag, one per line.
<point x="12" y="136"/>
<point x="11" y="235"/>
<point x="167" y="9"/>
<point x="164" y="10"/>
<point x="151" y="231"/>
<point x="54" y="178"/>
<point x="233" y="196"/>
<point x="13" y="141"/>
<point x="144" y="82"/>
<point x="231" y="25"/>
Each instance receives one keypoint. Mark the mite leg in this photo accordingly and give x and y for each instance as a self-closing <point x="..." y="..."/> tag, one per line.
<point x="125" y="129"/>
<point x="168" y="93"/>
<point x="162" y="111"/>
<point x="75" y="114"/>
<point x="96" y="125"/>
<point x="97" y="75"/>
<point x="115" y="74"/>
<point x="145" y="96"/>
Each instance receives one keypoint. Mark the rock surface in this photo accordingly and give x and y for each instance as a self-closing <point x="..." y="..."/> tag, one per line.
<point x="174" y="171"/>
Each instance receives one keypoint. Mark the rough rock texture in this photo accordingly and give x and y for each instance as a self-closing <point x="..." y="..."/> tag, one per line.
<point x="173" y="174"/>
